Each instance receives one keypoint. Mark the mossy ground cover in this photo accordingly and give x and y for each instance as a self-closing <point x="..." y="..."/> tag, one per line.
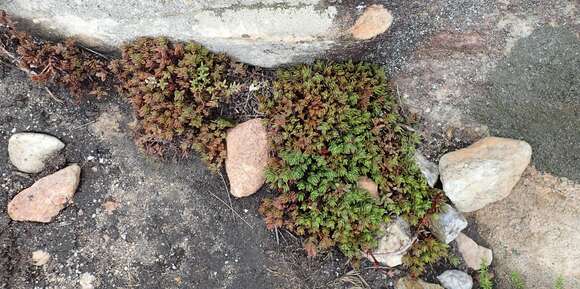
<point x="329" y="124"/>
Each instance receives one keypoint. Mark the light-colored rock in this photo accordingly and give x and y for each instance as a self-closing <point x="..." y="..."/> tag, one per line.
<point x="368" y="185"/>
<point x="247" y="157"/>
<point x="429" y="169"/>
<point x="260" y="32"/>
<point x="409" y="283"/>
<point x="484" y="172"/>
<point x="40" y="257"/>
<point x="393" y="245"/>
<point x="448" y="224"/>
<point x="374" y="21"/>
<point x="473" y="254"/>
<point x="46" y="197"/>
<point x="29" y="151"/>
<point x="87" y="281"/>
<point x="455" y="279"/>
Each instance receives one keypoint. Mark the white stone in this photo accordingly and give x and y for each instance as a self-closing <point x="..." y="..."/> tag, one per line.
<point x="447" y="224"/>
<point x="393" y="245"/>
<point x="484" y="172"/>
<point x="455" y="279"/>
<point x="28" y="151"/>
<point x="40" y="257"/>
<point x="429" y="169"/>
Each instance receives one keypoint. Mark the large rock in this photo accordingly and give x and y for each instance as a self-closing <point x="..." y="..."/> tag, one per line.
<point x="393" y="245"/>
<point x="484" y="172"/>
<point x="455" y="279"/>
<point x="473" y="254"/>
<point x="29" y="151"/>
<point x="247" y="157"/>
<point x="46" y="197"/>
<point x="447" y="224"/>
<point x="429" y="169"/>
<point x="409" y="283"/>
<point x="261" y="32"/>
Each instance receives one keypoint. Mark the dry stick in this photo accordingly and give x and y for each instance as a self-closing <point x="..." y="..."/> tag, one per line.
<point x="52" y="95"/>
<point x="27" y="71"/>
<point x="95" y="52"/>
<point x="226" y="204"/>
<point x="227" y="192"/>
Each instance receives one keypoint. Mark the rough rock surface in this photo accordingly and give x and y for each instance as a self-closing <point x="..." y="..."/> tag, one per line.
<point x="368" y="185"/>
<point x="29" y="151"/>
<point x="374" y="21"/>
<point x="260" y="32"/>
<point x="455" y="279"/>
<point x="409" y="283"/>
<point x="393" y="244"/>
<point x="535" y="229"/>
<point x="429" y="169"/>
<point x="46" y="197"/>
<point x="484" y="172"/>
<point x="473" y="254"/>
<point x="448" y="224"/>
<point x="247" y="157"/>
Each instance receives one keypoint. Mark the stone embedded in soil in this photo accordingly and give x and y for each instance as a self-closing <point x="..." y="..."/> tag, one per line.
<point x="28" y="151"/>
<point x="374" y="21"/>
<point x="473" y="254"/>
<point x="447" y="224"/>
<point x="368" y="185"/>
<point x="429" y="169"/>
<point x="484" y="172"/>
<point x="409" y="283"/>
<point x="40" y="257"/>
<point x="46" y="197"/>
<point x="247" y="157"/>
<point x="393" y="244"/>
<point x="86" y="281"/>
<point x="455" y="279"/>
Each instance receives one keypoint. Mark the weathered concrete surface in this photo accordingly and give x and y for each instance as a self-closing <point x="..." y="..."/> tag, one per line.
<point x="265" y="33"/>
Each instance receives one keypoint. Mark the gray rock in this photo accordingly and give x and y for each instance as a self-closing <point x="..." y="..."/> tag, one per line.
<point x="260" y="32"/>
<point x="429" y="169"/>
<point x="473" y="254"/>
<point x="393" y="245"/>
<point x="28" y="152"/>
<point x="455" y="279"/>
<point x="448" y="224"/>
<point x="484" y="172"/>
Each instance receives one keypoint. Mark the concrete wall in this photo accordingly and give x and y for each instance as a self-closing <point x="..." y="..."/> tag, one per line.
<point x="260" y="32"/>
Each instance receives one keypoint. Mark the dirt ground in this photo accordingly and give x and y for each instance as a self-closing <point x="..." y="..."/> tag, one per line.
<point x="466" y="67"/>
<point x="171" y="228"/>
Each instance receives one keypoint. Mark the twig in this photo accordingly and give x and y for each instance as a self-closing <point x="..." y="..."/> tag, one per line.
<point x="227" y="192"/>
<point x="277" y="238"/>
<point x="226" y="204"/>
<point x="16" y="62"/>
<point x="52" y="95"/>
<point x="83" y="125"/>
<point x="93" y="51"/>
